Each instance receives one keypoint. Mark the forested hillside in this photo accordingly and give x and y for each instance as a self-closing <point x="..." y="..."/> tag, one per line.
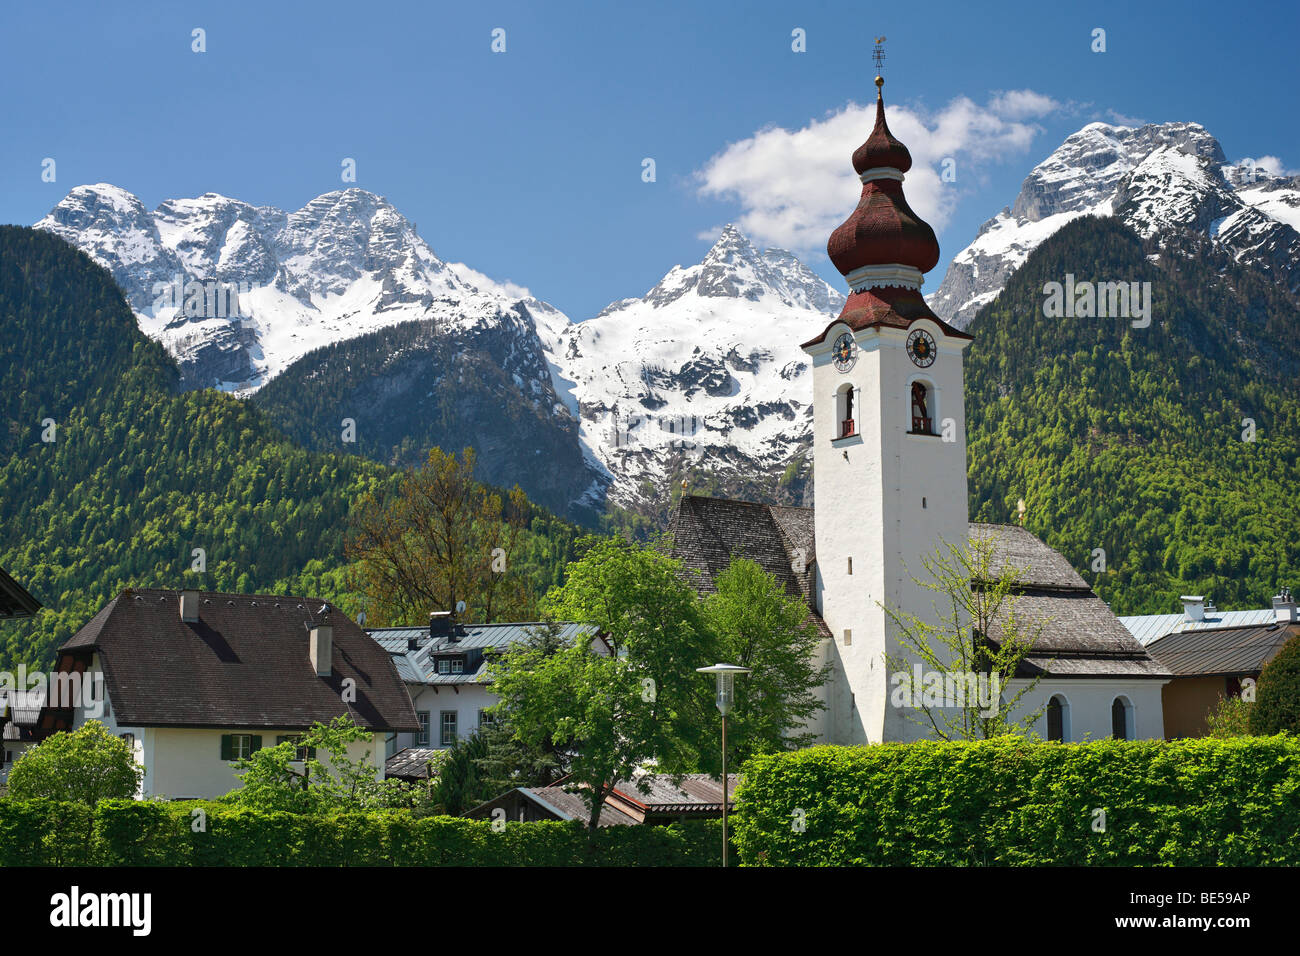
<point x="139" y="475"/>
<point x="1130" y="440"/>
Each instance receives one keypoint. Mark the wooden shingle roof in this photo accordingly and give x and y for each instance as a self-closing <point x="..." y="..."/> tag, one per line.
<point x="1079" y="636"/>
<point x="244" y="664"/>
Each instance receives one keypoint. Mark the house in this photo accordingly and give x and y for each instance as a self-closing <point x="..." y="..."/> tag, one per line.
<point x="19" y="708"/>
<point x="889" y="482"/>
<point x="194" y="680"/>
<point x="413" y="763"/>
<point x="1211" y="653"/>
<point x="652" y="799"/>
<point x="445" y="669"/>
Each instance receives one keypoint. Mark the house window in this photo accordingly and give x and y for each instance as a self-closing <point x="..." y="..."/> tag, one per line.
<point x="129" y="739"/>
<point x="1121" y="719"/>
<point x="1057" y="712"/>
<point x="447" y="724"/>
<point x="848" y="636"/>
<point x="422" y="735"/>
<point x="485" y="719"/>
<point x="299" y="753"/>
<point x="850" y="564"/>
<point x="457" y="665"/>
<point x="239" y="746"/>
<point x="922" y="423"/>
<point x="444" y="666"/>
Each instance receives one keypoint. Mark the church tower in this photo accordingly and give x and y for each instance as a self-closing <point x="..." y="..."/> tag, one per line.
<point x="889" y="443"/>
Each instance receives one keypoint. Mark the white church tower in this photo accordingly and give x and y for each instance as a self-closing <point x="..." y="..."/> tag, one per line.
<point x="889" y="443"/>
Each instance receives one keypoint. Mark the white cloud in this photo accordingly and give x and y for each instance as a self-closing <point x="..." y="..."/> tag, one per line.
<point x="475" y="278"/>
<point x="1269" y="164"/>
<point x="795" y="186"/>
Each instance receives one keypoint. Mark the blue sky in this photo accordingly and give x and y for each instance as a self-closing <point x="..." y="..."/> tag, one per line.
<point x="527" y="164"/>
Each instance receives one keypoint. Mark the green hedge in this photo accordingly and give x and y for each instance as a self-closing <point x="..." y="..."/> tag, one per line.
<point x="1013" y="802"/>
<point x="154" y="833"/>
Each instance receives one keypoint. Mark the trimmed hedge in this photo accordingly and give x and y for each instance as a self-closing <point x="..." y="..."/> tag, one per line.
<point x="193" y="833"/>
<point x="1010" y="801"/>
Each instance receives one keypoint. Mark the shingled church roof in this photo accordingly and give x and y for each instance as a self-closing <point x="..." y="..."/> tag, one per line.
<point x="1079" y="635"/>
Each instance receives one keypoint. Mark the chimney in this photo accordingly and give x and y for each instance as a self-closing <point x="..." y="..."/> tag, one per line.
<point x="1284" y="608"/>
<point x="439" y="624"/>
<point x="321" y="645"/>
<point x="1193" y="608"/>
<point x="190" y="606"/>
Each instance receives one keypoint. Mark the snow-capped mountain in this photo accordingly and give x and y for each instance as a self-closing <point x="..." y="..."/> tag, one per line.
<point x="345" y="264"/>
<point x="1156" y="178"/>
<point x="705" y="367"/>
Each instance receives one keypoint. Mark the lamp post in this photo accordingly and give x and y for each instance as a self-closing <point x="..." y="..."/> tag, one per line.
<point x="725" y="700"/>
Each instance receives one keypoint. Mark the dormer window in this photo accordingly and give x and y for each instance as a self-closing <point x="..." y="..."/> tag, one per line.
<point x="922" y="423"/>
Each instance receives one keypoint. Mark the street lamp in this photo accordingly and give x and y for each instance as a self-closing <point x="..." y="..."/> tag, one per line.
<point x="725" y="700"/>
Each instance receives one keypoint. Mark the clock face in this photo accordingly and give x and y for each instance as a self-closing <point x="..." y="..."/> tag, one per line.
<point x="844" y="352"/>
<point x="921" y="349"/>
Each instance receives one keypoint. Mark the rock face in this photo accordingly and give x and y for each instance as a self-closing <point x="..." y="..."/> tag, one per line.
<point x="344" y="312"/>
<point x="702" y="378"/>
<point x="1156" y="178"/>
<point x="237" y="293"/>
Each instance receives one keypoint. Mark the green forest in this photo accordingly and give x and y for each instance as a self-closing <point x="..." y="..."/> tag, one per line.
<point x="139" y="475"/>
<point x="1127" y="441"/>
<point x="1130" y="440"/>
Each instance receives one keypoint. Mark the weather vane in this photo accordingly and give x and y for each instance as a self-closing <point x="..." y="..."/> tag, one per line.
<point x="878" y="54"/>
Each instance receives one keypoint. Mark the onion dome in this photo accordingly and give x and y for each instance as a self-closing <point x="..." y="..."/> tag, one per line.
<point x="883" y="231"/>
<point x="884" y="249"/>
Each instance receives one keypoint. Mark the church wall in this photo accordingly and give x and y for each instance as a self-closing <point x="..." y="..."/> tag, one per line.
<point x="1089" y="706"/>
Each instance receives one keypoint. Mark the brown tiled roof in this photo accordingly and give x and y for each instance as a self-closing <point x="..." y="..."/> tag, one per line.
<point x="244" y="664"/>
<point x="14" y="599"/>
<point x="1223" y="650"/>
<point x="1079" y="636"/>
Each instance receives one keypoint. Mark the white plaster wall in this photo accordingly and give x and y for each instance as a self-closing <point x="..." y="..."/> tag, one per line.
<point x="466" y="700"/>
<point x="1090" y="706"/>
<point x="868" y="493"/>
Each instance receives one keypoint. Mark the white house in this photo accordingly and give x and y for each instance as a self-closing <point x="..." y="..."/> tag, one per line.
<point x="889" y="481"/>
<point x="194" y="680"/>
<point x="445" y="669"/>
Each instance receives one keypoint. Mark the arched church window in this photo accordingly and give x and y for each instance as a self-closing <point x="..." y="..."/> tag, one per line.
<point x="1056" y="711"/>
<point x="1121" y="719"/>
<point x="848" y="426"/>
<point x="922" y="424"/>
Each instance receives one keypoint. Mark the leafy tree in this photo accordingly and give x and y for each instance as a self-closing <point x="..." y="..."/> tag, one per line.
<point x="1230" y="718"/>
<point x="976" y="629"/>
<point x="84" y="766"/>
<point x="634" y="701"/>
<point x="758" y="625"/>
<point x="340" y="782"/>
<point x="1277" y="696"/>
<point x="437" y="539"/>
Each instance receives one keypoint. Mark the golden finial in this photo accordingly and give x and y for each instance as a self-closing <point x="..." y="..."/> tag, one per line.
<point x="878" y="55"/>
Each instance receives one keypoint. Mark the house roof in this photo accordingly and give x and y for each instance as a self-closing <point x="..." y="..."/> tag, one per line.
<point x="631" y="800"/>
<point x="1147" y="628"/>
<point x="1079" y="636"/>
<point x="412" y="763"/>
<point x="1222" y="650"/>
<point x="244" y="664"/>
<point x="14" y="599"/>
<point x="420" y="664"/>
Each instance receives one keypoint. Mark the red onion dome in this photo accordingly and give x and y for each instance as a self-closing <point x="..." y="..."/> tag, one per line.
<point x="883" y="230"/>
<point x="881" y="150"/>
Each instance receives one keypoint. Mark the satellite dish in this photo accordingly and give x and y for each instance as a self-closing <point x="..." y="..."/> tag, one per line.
<point x="460" y="607"/>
